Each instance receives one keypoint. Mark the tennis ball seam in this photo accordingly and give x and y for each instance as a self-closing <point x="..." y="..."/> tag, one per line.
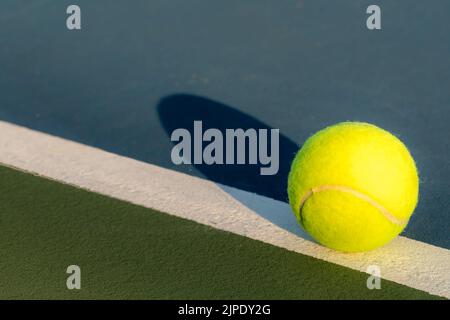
<point x="385" y="212"/>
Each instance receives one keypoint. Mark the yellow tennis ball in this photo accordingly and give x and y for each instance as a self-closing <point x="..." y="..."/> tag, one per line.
<point x="353" y="186"/>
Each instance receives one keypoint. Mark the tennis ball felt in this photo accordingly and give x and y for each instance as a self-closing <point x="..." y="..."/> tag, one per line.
<point x="353" y="186"/>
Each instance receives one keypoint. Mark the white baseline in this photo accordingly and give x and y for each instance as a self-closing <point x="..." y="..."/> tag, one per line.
<point x="405" y="261"/>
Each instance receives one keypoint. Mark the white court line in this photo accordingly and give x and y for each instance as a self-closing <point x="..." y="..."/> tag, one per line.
<point x="405" y="261"/>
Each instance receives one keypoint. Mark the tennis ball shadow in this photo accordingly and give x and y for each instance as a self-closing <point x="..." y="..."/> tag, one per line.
<point x="181" y="110"/>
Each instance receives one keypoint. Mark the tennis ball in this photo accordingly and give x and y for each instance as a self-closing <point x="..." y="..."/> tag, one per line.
<point x="353" y="186"/>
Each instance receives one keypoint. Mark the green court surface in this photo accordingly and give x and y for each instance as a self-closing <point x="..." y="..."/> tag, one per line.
<point x="130" y="252"/>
